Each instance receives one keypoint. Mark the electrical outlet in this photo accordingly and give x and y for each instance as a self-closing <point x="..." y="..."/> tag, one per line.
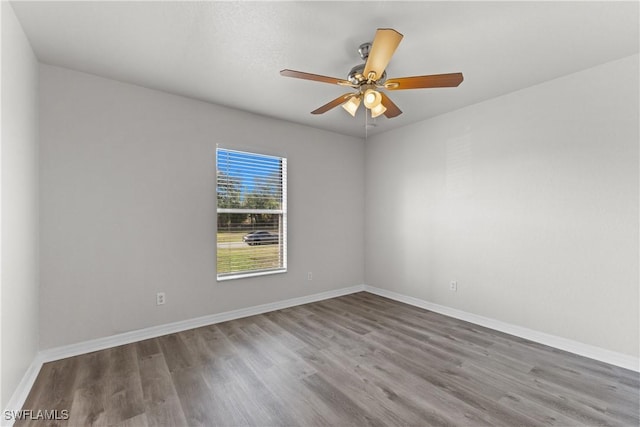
<point x="309" y="276"/>
<point x="453" y="286"/>
<point x="160" y="298"/>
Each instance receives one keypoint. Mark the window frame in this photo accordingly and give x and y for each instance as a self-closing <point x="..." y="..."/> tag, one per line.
<point x="220" y="277"/>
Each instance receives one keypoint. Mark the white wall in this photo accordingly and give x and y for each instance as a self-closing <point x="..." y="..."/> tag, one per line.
<point x="529" y="201"/>
<point x="19" y="225"/>
<point x="128" y="207"/>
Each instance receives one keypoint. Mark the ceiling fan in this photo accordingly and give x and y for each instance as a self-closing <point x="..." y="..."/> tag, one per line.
<point x="370" y="77"/>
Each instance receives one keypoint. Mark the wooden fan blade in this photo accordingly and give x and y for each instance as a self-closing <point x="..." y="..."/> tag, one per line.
<point x="424" y="82"/>
<point x="392" y="109"/>
<point x="384" y="45"/>
<point x="338" y="101"/>
<point x="314" y="77"/>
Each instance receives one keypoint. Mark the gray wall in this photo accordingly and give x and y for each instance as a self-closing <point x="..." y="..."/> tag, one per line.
<point x="19" y="225"/>
<point x="128" y="207"/>
<point x="529" y="201"/>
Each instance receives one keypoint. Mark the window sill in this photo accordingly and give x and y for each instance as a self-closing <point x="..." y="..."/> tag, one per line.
<point x="252" y="274"/>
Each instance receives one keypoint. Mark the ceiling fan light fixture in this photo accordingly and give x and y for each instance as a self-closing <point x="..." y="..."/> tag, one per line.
<point x="351" y="106"/>
<point x="372" y="98"/>
<point x="378" y="110"/>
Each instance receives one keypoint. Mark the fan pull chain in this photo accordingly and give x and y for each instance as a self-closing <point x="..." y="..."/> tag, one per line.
<point x="366" y="127"/>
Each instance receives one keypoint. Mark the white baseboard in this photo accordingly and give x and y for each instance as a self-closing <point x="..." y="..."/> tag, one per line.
<point x="22" y="391"/>
<point x="586" y="350"/>
<point x="62" y="352"/>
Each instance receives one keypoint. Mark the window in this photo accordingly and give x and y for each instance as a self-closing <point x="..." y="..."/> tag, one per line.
<point x="252" y="214"/>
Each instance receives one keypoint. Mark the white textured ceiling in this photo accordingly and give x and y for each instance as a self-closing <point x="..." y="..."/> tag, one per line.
<point x="230" y="53"/>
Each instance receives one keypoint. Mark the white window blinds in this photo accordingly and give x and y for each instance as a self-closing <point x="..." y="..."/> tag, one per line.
<point x="252" y="214"/>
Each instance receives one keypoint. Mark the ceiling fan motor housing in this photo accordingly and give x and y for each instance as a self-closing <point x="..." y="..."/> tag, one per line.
<point x="356" y="75"/>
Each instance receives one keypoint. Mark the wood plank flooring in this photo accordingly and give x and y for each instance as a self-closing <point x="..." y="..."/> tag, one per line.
<point x="354" y="360"/>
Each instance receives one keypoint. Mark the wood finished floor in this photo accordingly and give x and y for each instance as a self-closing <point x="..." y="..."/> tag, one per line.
<point x="354" y="360"/>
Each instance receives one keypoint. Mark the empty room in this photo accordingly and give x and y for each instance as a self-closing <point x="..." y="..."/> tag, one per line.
<point x="320" y="213"/>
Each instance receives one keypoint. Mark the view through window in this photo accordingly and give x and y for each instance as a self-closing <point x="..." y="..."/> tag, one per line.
<point x="252" y="214"/>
